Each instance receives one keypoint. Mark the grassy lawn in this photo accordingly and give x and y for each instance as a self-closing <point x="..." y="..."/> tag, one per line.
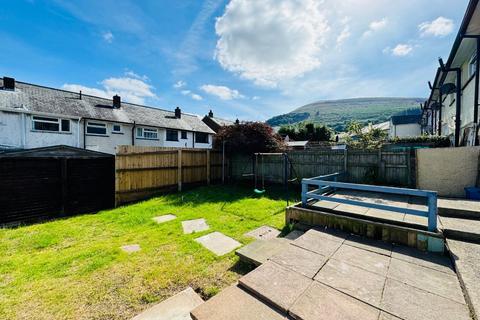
<point x="74" y="269"/>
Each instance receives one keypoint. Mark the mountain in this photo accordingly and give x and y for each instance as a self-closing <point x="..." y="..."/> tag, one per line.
<point x="337" y="113"/>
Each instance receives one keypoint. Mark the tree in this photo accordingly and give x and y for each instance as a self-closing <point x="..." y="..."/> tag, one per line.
<point x="307" y="131"/>
<point x="373" y="138"/>
<point x="248" y="138"/>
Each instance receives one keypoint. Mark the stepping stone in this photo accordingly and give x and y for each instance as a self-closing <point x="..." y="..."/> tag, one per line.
<point x="422" y="258"/>
<point x="318" y="242"/>
<point x="275" y="284"/>
<point x="233" y="303"/>
<point x="364" y="259"/>
<point x="260" y="251"/>
<point x="131" y="248"/>
<point x="410" y="303"/>
<point x="177" y="307"/>
<point x="264" y="232"/>
<point x="320" y="302"/>
<point x="197" y="225"/>
<point x="164" y="218"/>
<point x="358" y="283"/>
<point x="305" y="262"/>
<point x="440" y="283"/>
<point x="218" y="243"/>
<point x="376" y="246"/>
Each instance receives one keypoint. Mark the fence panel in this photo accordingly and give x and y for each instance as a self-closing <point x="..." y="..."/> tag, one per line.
<point x="145" y="171"/>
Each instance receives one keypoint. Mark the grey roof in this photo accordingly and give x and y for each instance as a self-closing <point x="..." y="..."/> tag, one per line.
<point x="297" y="143"/>
<point x="222" y="122"/>
<point x="39" y="99"/>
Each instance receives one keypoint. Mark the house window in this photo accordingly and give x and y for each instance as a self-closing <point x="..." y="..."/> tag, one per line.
<point x="472" y="66"/>
<point x="184" y="134"/>
<point x="146" y="133"/>
<point x="51" y="124"/>
<point x="201" y="137"/>
<point x="172" y="135"/>
<point x="116" y="128"/>
<point x="96" y="128"/>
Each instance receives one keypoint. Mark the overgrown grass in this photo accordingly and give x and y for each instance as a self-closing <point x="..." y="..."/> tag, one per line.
<point x="74" y="269"/>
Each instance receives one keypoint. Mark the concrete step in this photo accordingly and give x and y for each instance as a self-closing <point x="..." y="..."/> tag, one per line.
<point x="260" y="251"/>
<point x="461" y="229"/>
<point x="459" y="208"/>
<point x="177" y="307"/>
<point x="233" y="303"/>
<point x="466" y="257"/>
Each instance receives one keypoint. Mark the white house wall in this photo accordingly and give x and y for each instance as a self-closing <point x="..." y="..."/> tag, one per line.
<point x="37" y="139"/>
<point x="11" y="130"/>
<point x="405" y="130"/>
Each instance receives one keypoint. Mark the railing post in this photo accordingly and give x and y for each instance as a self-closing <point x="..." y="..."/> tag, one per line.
<point x="304" y="193"/>
<point x="432" y="211"/>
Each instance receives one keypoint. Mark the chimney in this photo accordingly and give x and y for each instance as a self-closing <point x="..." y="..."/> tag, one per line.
<point x="8" y="83"/>
<point x="237" y="121"/>
<point x="210" y="114"/>
<point x="178" y="113"/>
<point x="80" y="95"/>
<point x="117" y="101"/>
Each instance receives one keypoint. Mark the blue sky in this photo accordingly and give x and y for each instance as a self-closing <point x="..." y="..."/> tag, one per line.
<point x="249" y="59"/>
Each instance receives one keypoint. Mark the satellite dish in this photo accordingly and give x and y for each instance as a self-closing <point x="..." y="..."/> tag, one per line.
<point x="448" y="88"/>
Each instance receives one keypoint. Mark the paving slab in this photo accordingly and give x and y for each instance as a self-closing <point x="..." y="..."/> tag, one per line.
<point x="295" y="234"/>
<point x="466" y="257"/>
<point x="459" y="208"/>
<point x="264" y="232"/>
<point x="387" y="316"/>
<point x="233" y="303"/>
<point x="427" y="259"/>
<point x="317" y="242"/>
<point x="177" y="307"/>
<point x="410" y="303"/>
<point x="320" y="302"/>
<point x="376" y="246"/>
<point x="409" y="218"/>
<point x="260" y="251"/>
<point x="218" y="243"/>
<point x="275" y="284"/>
<point x="367" y="260"/>
<point x="197" y="225"/>
<point x="351" y="209"/>
<point x="385" y="215"/>
<point x="461" y="229"/>
<point x="300" y="260"/>
<point x="433" y="281"/>
<point x="164" y="218"/>
<point x="130" y="248"/>
<point x="326" y="205"/>
<point x="361" y="284"/>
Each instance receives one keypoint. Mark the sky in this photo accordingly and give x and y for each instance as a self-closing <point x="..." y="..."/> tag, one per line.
<point x="245" y="59"/>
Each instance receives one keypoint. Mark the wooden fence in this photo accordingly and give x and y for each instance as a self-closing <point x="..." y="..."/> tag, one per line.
<point x="362" y="166"/>
<point x="145" y="171"/>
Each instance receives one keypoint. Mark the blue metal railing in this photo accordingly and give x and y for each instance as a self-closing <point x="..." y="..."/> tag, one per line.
<point x="329" y="183"/>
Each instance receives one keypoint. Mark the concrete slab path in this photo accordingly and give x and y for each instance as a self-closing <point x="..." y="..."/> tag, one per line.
<point x="218" y="243"/>
<point x="264" y="232"/>
<point x="260" y="251"/>
<point x="177" y="307"/>
<point x="130" y="248"/>
<point x="197" y="225"/>
<point x="164" y="218"/>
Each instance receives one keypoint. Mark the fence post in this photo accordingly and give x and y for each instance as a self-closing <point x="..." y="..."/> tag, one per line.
<point x="304" y="194"/>
<point x="208" y="167"/>
<point x="64" y="183"/>
<point x="432" y="211"/>
<point x="345" y="162"/>
<point x="179" y="169"/>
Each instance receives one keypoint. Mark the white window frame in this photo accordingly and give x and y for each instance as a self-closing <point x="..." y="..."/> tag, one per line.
<point x="95" y="124"/>
<point x="166" y="135"/>
<point x="206" y="134"/>
<point x="472" y="65"/>
<point x="147" y="133"/>
<point x="50" y="120"/>
<point x="117" y="131"/>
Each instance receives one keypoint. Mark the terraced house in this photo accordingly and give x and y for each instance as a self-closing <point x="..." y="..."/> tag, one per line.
<point x="452" y="108"/>
<point x="35" y="116"/>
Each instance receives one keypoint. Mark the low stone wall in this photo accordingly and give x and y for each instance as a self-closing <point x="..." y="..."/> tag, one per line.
<point x="422" y="240"/>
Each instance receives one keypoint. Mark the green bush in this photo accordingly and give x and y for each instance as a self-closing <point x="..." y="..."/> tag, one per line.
<point x="434" y="141"/>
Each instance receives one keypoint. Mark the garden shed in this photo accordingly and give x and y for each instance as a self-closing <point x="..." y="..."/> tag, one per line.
<point x="56" y="181"/>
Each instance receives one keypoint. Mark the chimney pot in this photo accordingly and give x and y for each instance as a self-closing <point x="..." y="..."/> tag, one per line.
<point x="210" y="114"/>
<point x="8" y="83"/>
<point x="237" y="121"/>
<point x="117" y="101"/>
<point x="178" y="113"/>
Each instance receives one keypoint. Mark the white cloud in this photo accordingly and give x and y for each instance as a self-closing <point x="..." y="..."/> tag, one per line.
<point x="375" y="26"/>
<point x="179" y="84"/>
<point x="222" y="92"/>
<point x="130" y="89"/>
<point x="108" y="36"/>
<point x="271" y="40"/>
<point x="344" y="35"/>
<point x="192" y="95"/>
<point x="131" y="74"/>
<point x="439" y="27"/>
<point x="400" y="50"/>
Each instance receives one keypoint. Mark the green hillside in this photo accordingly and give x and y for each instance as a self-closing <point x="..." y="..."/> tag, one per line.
<point x="337" y="113"/>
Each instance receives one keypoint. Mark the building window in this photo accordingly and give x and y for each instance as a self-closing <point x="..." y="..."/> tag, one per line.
<point x="201" y="137"/>
<point x="184" y="135"/>
<point x="472" y="66"/>
<point x="96" y="128"/>
<point x="51" y="124"/>
<point x="172" y="135"/>
<point x="116" y="128"/>
<point x="145" y="133"/>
